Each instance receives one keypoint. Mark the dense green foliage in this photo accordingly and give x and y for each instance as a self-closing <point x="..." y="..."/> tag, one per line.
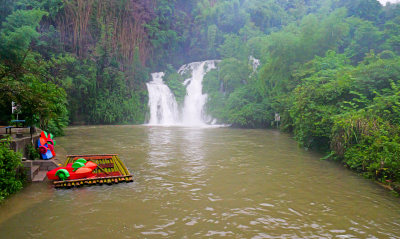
<point x="64" y="62"/>
<point x="23" y="74"/>
<point x="10" y="161"/>
<point x="330" y="68"/>
<point x="175" y="82"/>
<point x="32" y="152"/>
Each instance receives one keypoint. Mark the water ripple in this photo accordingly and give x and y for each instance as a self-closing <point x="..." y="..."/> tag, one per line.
<point x="194" y="183"/>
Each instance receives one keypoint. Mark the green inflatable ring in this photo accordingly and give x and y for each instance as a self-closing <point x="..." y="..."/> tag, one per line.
<point x="77" y="165"/>
<point x="81" y="160"/>
<point x="62" y="174"/>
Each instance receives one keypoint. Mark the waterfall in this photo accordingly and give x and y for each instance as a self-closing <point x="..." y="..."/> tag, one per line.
<point x="162" y="103"/>
<point x="255" y="63"/>
<point x="192" y="112"/>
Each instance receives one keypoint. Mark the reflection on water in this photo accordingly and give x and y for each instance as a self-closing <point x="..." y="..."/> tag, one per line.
<point x="193" y="183"/>
<point x="194" y="151"/>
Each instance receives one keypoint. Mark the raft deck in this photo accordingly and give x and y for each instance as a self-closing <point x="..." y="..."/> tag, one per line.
<point x="110" y="170"/>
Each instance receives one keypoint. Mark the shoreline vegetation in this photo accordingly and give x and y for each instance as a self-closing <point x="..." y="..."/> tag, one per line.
<point x="11" y="175"/>
<point x="330" y="68"/>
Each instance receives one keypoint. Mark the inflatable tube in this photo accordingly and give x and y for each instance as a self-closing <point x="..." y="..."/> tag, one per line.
<point x="62" y="174"/>
<point x="77" y="165"/>
<point x="42" y="149"/>
<point x="81" y="160"/>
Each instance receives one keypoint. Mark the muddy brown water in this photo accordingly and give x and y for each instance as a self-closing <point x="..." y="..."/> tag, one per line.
<point x="204" y="183"/>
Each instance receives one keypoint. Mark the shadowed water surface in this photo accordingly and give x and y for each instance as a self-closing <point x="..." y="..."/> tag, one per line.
<point x="201" y="183"/>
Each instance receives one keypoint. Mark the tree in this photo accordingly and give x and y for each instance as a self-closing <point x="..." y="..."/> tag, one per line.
<point x="364" y="9"/>
<point x="392" y="35"/>
<point x="233" y="47"/>
<point x="365" y="37"/>
<point x="16" y="35"/>
<point x="267" y="15"/>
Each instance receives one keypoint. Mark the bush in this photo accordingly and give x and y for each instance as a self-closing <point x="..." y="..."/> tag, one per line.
<point x="175" y="83"/>
<point x="245" y="108"/>
<point x="10" y="161"/>
<point x="33" y="152"/>
<point x="368" y="144"/>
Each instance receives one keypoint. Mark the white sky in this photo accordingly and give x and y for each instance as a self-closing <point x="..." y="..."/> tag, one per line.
<point x="383" y="2"/>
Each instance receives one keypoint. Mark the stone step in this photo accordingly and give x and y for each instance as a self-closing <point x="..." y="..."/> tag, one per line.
<point x="35" y="170"/>
<point x="34" y="167"/>
<point x="40" y="176"/>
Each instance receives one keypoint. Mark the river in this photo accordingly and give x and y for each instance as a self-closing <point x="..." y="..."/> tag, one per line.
<point x="202" y="183"/>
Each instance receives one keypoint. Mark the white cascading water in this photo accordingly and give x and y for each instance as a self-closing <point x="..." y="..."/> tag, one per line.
<point x="192" y="112"/>
<point x="255" y="63"/>
<point x="162" y="103"/>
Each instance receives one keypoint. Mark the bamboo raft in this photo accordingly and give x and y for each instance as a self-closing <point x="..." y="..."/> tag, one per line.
<point x="110" y="170"/>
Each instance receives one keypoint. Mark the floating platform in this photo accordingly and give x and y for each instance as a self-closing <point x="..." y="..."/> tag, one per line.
<point x="110" y="170"/>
